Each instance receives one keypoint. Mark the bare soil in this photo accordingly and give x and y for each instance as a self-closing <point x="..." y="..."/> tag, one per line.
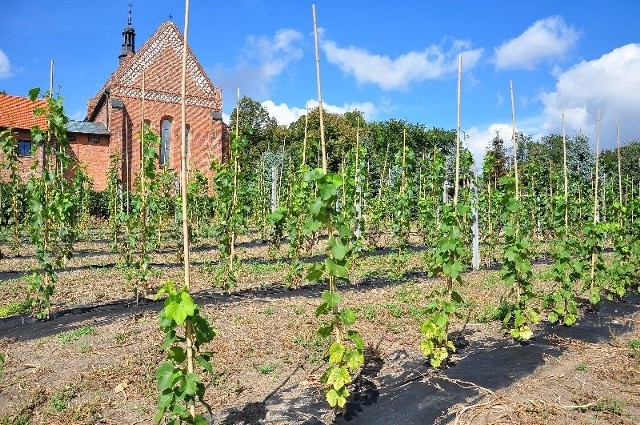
<point x="95" y="361"/>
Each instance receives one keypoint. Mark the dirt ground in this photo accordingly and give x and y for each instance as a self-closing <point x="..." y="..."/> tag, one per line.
<point x="96" y="363"/>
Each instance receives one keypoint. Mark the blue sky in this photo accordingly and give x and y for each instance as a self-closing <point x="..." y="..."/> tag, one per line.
<point x="389" y="62"/>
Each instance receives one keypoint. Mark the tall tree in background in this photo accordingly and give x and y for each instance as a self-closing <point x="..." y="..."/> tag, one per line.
<point x="257" y="126"/>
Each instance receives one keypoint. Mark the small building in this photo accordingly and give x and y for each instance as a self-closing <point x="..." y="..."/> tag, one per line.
<point x="87" y="139"/>
<point x="145" y="88"/>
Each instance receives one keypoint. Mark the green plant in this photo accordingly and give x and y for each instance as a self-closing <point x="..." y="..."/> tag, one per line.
<point x="179" y="386"/>
<point x="141" y="222"/>
<point x="581" y="367"/>
<point x="59" y="401"/>
<point x="14" y="308"/>
<point x="634" y="344"/>
<point x="403" y="189"/>
<point x="52" y="207"/>
<point x="517" y="272"/>
<point x="429" y="200"/>
<point x="346" y="352"/>
<point x="268" y="311"/>
<point x="230" y="217"/>
<point x="608" y="405"/>
<point x="267" y="368"/>
<point x="295" y="219"/>
<point x="445" y="260"/>
<point x="594" y="244"/>
<point x="71" y="336"/>
<point x="569" y="265"/>
<point x="13" y="188"/>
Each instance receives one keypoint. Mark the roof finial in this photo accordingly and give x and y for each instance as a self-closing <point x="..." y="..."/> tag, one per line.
<point x="128" y="38"/>
<point x="170" y="17"/>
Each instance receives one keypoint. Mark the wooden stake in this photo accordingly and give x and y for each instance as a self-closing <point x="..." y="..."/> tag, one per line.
<point x="457" y="174"/>
<point x="322" y="141"/>
<point x="513" y="139"/>
<point x="595" y="199"/>
<point x="183" y="189"/>
<point x="232" y="250"/>
<point x="566" y="178"/>
<point x="619" y="159"/>
<point x="304" y="142"/>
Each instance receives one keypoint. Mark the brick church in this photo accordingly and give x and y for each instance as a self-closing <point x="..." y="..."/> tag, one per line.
<point x="145" y="87"/>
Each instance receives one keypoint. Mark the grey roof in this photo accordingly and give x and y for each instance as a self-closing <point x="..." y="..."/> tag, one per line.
<point x="87" y="127"/>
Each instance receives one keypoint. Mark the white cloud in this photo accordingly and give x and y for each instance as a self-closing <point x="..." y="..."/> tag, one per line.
<point x="479" y="139"/>
<point x="78" y="115"/>
<point x="5" y="66"/>
<point x="610" y="83"/>
<point x="548" y="38"/>
<point x="286" y="114"/>
<point x="436" y="61"/>
<point x="263" y="59"/>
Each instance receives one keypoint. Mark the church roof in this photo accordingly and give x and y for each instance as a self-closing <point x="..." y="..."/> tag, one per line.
<point x="87" y="127"/>
<point x="17" y="112"/>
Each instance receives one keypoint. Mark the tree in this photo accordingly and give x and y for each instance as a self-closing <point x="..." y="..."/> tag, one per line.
<point x="498" y="159"/>
<point x="629" y="159"/>
<point x="257" y="126"/>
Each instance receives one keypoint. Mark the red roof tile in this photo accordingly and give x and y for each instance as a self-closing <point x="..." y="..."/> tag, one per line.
<point x="17" y="112"/>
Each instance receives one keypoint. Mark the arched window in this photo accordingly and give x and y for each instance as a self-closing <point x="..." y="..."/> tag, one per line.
<point x="165" y="142"/>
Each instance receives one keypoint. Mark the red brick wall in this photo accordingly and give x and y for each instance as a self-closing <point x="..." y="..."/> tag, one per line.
<point x="205" y="135"/>
<point x="25" y="161"/>
<point x="95" y="155"/>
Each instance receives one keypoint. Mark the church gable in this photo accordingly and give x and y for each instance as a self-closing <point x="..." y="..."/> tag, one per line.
<point x="159" y="60"/>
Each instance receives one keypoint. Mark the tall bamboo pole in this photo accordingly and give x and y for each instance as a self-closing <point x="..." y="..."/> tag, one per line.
<point x="234" y="200"/>
<point x="183" y="189"/>
<point x="457" y="174"/>
<point x="358" y="183"/>
<point x="322" y="141"/>
<point x="514" y="139"/>
<point x="304" y="141"/>
<point x="142" y="123"/>
<point x="566" y="178"/>
<point x="515" y="164"/>
<point x="619" y="159"/>
<point x="595" y="199"/>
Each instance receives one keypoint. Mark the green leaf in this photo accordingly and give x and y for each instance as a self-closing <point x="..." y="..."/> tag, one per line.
<point x="165" y="375"/>
<point x="336" y="351"/>
<point x="335" y="269"/>
<point x="189" y="384"/>
<point x="357" y="339"/>
<point x="34" y="93"/>
<point x="456" y="298"/>
<point x="177" y="354"/>
<point x="315" y="271"/>
<point x="348" y="317"/>
<point x="200" y="420"/>
<point x="338" y="250"/>
<point x="325" y="331"/>
<point x="338" y="377"/>
<point x="335" y="398"/>
<point x="353" y="359"/>
<point x="332" y="299"/>
<point x="202" y="359"/>
<point x="179" y="307"/>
